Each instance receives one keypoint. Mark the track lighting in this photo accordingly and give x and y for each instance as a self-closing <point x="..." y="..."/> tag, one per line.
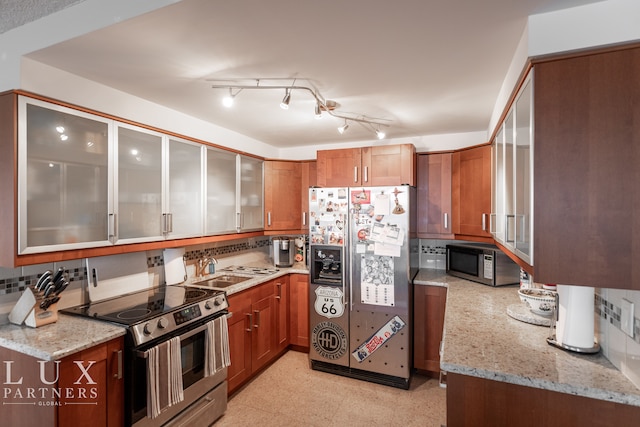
<point x="322" y="104"/>
<point x="285" y="101"/>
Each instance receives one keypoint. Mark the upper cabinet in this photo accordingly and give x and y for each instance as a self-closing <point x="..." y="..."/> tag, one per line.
<point x="434" y="196"/>
<point x="587" y="198"/>
<point x="512" y="214"/>
<point x="368" y="166"/>
<point x="282" y="196"/>
<point x="86" y="182"/>
<point x="471" y="193"/>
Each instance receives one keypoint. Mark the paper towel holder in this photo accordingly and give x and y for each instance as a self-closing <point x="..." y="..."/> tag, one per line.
<point x="551" y="339"/>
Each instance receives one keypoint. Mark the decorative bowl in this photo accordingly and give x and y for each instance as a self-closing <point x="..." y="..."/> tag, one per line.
<point x="539" y="301"/>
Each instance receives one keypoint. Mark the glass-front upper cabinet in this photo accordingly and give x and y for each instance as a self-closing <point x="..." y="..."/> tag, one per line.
<point x="139" y="197"/>
<point x="498" y="215"/>
<point x="523" y="176"/>
<point x="251" y="196"/>
<point x="63" y="178"/>
<point x="183" y="215"/>
<point x="221" y="191"/>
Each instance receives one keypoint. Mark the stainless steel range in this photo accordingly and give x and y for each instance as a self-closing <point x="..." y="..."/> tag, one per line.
<point x="154" y="317"/>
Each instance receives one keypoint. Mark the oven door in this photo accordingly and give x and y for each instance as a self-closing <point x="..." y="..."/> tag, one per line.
<point x="195" y="384"/>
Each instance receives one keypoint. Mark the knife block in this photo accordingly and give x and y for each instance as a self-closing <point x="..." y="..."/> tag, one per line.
<point x="27" y="310"/>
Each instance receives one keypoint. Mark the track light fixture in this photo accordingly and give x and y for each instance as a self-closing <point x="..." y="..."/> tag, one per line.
<point x="285" y="101"/>
<point x="228" y="100"/>
<point x="321" y="105"/>
<point x="343" y="128"/>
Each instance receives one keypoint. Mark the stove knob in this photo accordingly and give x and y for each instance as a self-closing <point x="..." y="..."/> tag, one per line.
<point x="163" y="323"/>
<point x="148" y="329"/>
<point x="218" y="301"/>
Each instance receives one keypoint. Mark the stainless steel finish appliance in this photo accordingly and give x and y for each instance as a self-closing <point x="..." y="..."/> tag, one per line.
<point x="482" y="263"/>
<point x="361" y="270"/>
<point x="155" y="316"/>
<point x="284" y="251"/>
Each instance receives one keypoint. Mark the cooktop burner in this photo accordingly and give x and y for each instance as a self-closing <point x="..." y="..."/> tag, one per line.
<point x="136" y="307"/>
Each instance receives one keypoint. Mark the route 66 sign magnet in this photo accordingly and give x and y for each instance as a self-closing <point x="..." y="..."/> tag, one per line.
<point x="329" y="302"/>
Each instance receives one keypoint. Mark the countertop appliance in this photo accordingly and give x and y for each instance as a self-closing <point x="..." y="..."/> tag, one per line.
<point x="153" y="317"/>
<point x="284" y="251"/>
<point x="361" y="271"/>
<point x="482" y="263"/>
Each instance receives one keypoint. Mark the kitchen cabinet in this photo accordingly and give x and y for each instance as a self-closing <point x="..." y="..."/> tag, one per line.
<point x="367" y="166"/>
<point x="252" y="332"/>
<point x="471" y="193"/>
<point x="587" y="198"/>
<point x="282" y="290"/>
<point x="221" y="194"/>
<point x="478" y="402"/>
<point x="299" y="311"/>
<point x="282" y="196"/>
<point x="309" y="179"/>
<point x="512" y="217"/>
<point x="428" y="314"/>
<point x="434" y="196"/>
<point x="251" y="194"/>
<point x="93" y="398"/>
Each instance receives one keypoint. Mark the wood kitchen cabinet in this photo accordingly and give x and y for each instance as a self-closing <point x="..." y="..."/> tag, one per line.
<point x="309" y="179"/>
<point x="93" y="399"/>
<point x="299" y="311"/>
<point x="252" y="332"/>
<point x="282" y="290"/>
<point x="586" y="193"/>
<point x="428" y="314"/>
<point x="282" y="196"/>
<point x="479" y="402"/>
<point x="471" y="193"/>
<point x="367" y="166"/>
<point x="434" y="196"/>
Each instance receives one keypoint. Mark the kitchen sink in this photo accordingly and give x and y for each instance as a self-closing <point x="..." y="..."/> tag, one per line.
<point x="223" y="281"/>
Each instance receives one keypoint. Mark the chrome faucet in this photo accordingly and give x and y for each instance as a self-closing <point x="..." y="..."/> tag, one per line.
<point x="202" y="264"/>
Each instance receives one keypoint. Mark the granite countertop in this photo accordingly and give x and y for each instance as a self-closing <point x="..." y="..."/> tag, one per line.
<point x="297" y="268"/>
<point x="54" y="341"/>
<point x="482" y="340"/>
<point x="71" y="334"/>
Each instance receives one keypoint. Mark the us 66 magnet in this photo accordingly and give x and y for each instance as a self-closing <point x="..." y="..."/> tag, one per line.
<point x="329" y="302"/>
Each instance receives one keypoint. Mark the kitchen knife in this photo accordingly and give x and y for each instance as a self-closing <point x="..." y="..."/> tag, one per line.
<point x="58" y="275"/>
<point x="39" y="284"/>
<point x="49" y="302"/>
<point x="49" y="290"/>
<point x="62" y="287"/>
<point x="45" y="284"/>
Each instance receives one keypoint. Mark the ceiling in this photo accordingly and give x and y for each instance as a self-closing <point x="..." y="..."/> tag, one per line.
<point x="423" y="67"/>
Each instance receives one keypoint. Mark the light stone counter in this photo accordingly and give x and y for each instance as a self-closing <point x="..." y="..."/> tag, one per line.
<point x="298" y="268"/>
<point x="482" y="340"/>
<point x="54" y="341"/>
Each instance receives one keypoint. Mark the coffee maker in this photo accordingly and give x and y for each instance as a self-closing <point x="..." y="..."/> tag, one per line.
<point x="283" y="251"/>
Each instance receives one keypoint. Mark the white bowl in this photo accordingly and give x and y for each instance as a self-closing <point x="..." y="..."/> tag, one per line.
<point x="539" y="301"/>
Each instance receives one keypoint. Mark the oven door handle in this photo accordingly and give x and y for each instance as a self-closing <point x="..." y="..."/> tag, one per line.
<point x="184" y="336"/>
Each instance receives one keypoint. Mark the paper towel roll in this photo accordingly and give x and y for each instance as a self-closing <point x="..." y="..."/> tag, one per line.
<point x="575" y="326"/>
<point x="174" y="269"/>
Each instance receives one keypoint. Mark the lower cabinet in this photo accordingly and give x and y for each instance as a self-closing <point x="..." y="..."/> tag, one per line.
<point x="282" y="290"/>
<point x="83" y="389"/>
<point x="428" y="314"/>
<point x="479" y="402"/>
<point x="299" y="311"/>
<point x="253" y="331"/>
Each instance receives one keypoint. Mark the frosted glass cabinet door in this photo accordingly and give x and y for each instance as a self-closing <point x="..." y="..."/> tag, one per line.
<point x="523" y="174"/>
<point x="221" y="192"/>
<point x="185" y="198"/>
<point x="63" y="178"/>
<point x="139" y="185"/>
<point x="498" y="220"/>
<point x="251" y="194"/>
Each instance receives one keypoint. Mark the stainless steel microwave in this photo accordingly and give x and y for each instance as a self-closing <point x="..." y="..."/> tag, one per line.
<point x="482" y="263"/>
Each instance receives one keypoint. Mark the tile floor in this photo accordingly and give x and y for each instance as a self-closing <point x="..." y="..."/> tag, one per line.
<point x="289" y="393"/>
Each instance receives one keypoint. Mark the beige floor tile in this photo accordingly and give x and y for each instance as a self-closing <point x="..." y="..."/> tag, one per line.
<point x="289" y="393"/>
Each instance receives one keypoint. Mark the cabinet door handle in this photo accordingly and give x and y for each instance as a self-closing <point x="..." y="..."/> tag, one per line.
<point x="492" y="223"/>
<point x="257" y="324"/>
<point x="304" y="218"/>
<point x="366" y="174"/>
<point x="112" y="226"/>
<point x="238" y="222"/>
<point x="269" y="219"/>
<point x="446" y="221"/>
<point x="355" y="174"/>
<point x="484" y="222"/>
<point x="250" y="321"/>
<point x="118" y="374"/>
<point x="506" y="228"/>
<point x="170" y="216"/>
<point x="279" y="296"/>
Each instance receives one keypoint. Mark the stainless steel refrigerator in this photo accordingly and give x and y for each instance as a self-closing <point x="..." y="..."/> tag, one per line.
<point x="362" y="261"/>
